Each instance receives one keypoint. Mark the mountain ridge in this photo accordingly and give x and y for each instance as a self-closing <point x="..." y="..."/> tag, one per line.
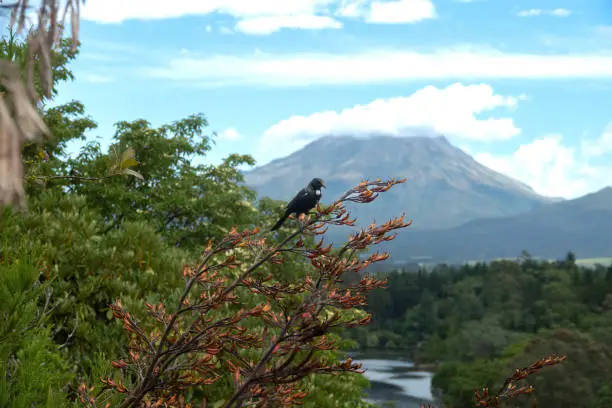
<point x="582" y="225"/>
<point x="445" y="186"/>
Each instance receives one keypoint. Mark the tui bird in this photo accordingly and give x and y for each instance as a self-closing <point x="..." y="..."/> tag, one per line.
<point x="304" y="201"/>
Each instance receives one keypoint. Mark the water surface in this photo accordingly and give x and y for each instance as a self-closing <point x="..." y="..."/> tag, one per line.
<point x="395" y="379"/>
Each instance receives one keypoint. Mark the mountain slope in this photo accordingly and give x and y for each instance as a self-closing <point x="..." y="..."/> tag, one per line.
<point x="582" y="225"/>
<point x="445" y="186"/>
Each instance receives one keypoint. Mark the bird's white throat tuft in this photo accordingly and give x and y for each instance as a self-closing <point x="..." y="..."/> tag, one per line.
<point x="318" y="193"/>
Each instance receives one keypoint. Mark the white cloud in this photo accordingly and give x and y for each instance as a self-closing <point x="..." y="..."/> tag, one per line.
<point x="558" y="12"/>
<point x="116" y="11"/>
<point x="264" y="16"/>
<point x="453" y="111"/>
<point x="401" y="11"/>
<point x="379" y="66"/>
<point x="388" y="12"/>
<point x="245" y="11"/>
<point x="550" y="167"/>
<point x="352" y="8"/>
<point x="229" y="134"/>
<point x="529" y="13"/>
<point x="600" y="146"/>
<point x="269" y="24"/>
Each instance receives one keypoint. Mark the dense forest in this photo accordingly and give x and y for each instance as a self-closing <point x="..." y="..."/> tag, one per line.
<point x="113" y="238"/>
<point x="476" y="321"/>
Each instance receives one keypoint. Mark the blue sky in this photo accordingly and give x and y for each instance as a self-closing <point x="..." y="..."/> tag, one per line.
<point x="523" y="86"/>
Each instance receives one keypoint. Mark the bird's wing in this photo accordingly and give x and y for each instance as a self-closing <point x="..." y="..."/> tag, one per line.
<point x="300" y="195"/>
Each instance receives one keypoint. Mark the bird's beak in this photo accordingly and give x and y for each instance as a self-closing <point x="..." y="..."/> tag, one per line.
<point x="324" y="186"/>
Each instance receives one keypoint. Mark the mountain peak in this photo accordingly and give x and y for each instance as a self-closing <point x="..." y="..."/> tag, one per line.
<point x="445" y="186"/>
<point x="377" y="137"/>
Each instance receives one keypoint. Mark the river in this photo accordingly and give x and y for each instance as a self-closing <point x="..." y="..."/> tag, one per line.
<point x="395" y="379"/>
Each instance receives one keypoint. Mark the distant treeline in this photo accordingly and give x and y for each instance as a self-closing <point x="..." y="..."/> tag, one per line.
<point x="482" y="319"/>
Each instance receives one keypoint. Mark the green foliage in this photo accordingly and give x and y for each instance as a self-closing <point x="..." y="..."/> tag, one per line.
<point x="33" y="369"/>
<point x="485" y="320"/>
<point x="90" y="267"/>
<point x="68" y="122"/>
<point x="459" y="380"/>
<point x="578" y="380"/>
<point x="13" y="48"/>
<point x="604" y="397"/>
<point x="187" y="203"/>
<point x="344" y="390"/>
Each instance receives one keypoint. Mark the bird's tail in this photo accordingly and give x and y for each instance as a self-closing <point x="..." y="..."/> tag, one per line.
<point x="280" y="222"/>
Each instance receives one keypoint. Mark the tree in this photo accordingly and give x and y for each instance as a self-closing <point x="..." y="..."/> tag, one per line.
<point x="211" y="336"/>
<point x="186" y="203"/>
<point x="25" y="341"/>
<point x="576" y="382"/>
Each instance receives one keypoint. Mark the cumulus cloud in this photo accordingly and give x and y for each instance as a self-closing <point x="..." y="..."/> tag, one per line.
<point x="600" y="146"/>
<point x="388" y="12"/>
<point x="117" y="11"/>
<point x="264" y="16"/>
<point x="378" y="66"/>
<point x="455" y="111"/>
<point x="558" y="12"/>
<point x="551" y="168"/>
<point x="269" y="24"/>
<point x="402" y="11"/>
<point x="352" y="8"/>
<point x="464" y="114"/>
<point x="229" y="134"/>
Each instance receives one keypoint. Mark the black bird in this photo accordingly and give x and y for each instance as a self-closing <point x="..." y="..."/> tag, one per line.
<point x="304" y="201"/>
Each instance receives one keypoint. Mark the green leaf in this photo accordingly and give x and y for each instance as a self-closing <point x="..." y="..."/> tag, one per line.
<point x="127" y="154"/>
<point x="127" y="158"/>
<point x="130" y="162"/>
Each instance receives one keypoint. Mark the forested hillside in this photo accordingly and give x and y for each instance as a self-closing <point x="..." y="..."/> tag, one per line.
<point x="476" y="321"/>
